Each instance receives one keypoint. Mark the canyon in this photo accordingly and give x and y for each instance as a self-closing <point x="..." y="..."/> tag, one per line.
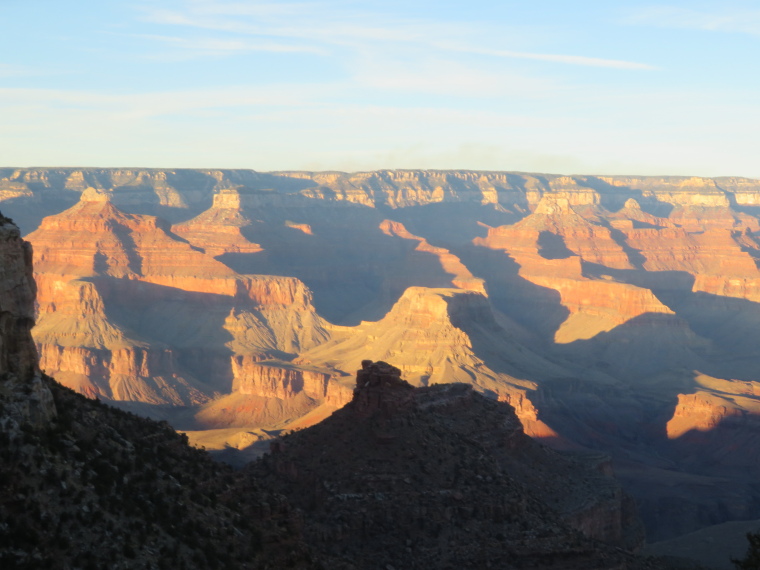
<point x="615" y="314"/>
<point x="89" y="486"/>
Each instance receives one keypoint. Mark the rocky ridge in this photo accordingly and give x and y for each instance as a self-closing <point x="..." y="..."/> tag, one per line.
<point x="441" y="477"/>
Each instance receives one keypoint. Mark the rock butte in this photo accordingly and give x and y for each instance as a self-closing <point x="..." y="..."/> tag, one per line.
<point x="241" y="302"/>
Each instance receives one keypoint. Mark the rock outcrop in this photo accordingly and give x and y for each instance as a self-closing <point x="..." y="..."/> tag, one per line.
<point x="219" y="230"/>
<point x="18" y="356"/>
<point x="28" y="401"/>
<point x="426" y="477"/>
<point x="440" y="336"/>
<point x="552" y="248"/>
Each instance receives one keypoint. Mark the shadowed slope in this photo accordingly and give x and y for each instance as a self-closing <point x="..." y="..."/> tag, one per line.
<point x="442" y="477"/>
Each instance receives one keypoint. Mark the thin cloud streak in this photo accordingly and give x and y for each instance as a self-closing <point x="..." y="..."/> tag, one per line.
<point x="337" y="32"/>
<point x="555" y="58"/>
<point x="259" y="9"/>
<point x="215" y="46"/>
<point x="444" y="77"/>
<point x="350" y="32"/>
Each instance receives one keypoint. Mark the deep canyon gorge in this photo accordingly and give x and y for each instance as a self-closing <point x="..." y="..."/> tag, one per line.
<point x="617" y="315"/>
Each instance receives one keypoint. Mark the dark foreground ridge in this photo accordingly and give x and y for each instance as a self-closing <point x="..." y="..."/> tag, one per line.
<point x="99" y="488"/>
<point x="442" y="477"/>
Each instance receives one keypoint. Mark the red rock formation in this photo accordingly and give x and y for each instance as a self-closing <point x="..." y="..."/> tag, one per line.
<point x="554" y="215"/>
<point x="631" y="216"/>
<point x="594" y="305"/>
<point x="285" y="381"/>
<point x="217" y="230"/>
<point x="435" y="336"/>
<point x="606" y="278"/>
<point x="715" y="404"/>
<point x="112" y="261"/>
<point x="96" y="238"/>
<point x="721" y="261"/>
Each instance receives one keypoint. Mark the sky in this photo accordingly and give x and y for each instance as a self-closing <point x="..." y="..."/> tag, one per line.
<point x="581" y="87"/>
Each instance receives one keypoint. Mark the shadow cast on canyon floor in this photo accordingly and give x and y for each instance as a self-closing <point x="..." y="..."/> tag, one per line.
<point x="730" y="324"/>
<point x="450" y="225"/>
<point x="360" y="279"/>
<point x="538" y="309"/>
<point x="623" y="385"/>
<point x="191" y="323"/>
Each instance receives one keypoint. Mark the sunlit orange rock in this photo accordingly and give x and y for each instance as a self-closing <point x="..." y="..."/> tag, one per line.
<point x="557" y="231"/>
<point x="128" y="311"/>
<point x="217" y="230"/>
<point x="436" y="336"/>
<point x="716" y="404"/>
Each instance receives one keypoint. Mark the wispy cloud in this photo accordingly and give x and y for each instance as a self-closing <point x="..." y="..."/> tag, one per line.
<point x="336" y="29"/>
<point x="440" y="76"/>
<point x="325" y="24"/>
<point x="725" y="20"/>
<point x="555" y="58"/>
<point x="256" y="8"/>
<point x="225" y="46"/>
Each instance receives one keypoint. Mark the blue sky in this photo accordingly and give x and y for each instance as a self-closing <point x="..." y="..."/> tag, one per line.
<point x="579" y="87"/>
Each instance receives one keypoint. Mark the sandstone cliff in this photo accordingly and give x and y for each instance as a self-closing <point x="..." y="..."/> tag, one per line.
<point x="440" y="336"/>
<point x="128" y="311"/>
<point x="218" y="230"/>
<point x="182" y="194"/>
<point x="18" y="357"/>
<point x="552" y="248"/>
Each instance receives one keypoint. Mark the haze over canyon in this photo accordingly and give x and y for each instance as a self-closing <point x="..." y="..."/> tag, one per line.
<point x="616" y="314"/>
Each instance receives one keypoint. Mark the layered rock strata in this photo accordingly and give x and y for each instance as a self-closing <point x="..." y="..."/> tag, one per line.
<point x="444" y="335"/>
<point x="130" y="312"/>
